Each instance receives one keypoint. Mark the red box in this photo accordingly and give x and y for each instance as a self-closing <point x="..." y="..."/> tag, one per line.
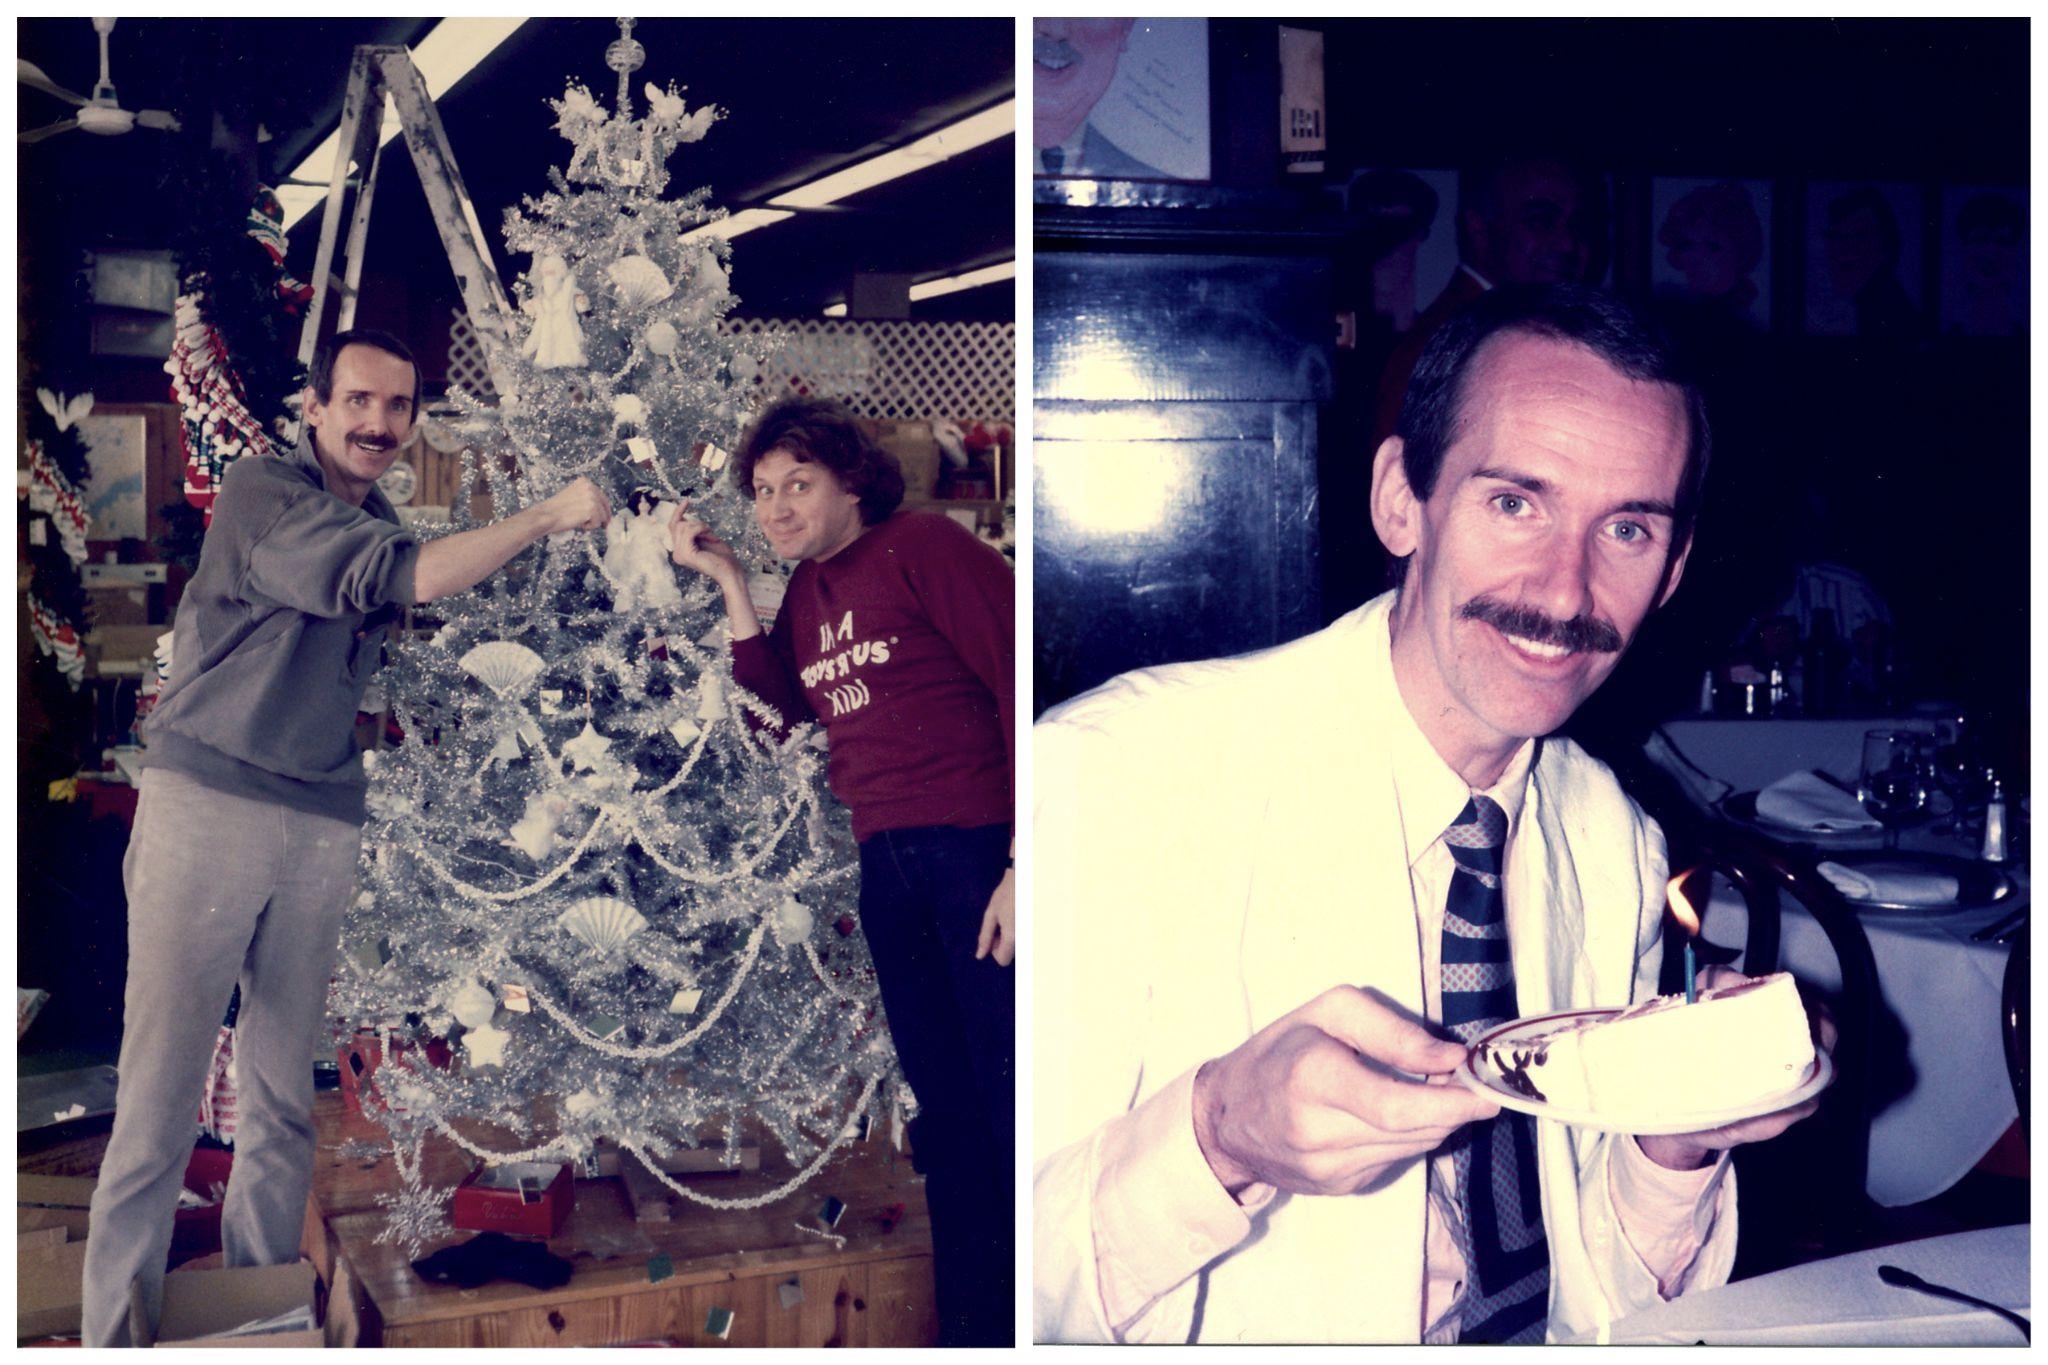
<point x="196" y="1232"/>
<point x="360" y="1056"/>
<point x="522" y="1207"/>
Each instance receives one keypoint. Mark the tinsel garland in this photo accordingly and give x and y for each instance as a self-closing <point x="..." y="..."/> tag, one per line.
<point x="231" y="366"/>
<point x="58" y="609"/>
<point x="215" y="425"/>
<point x="58" y="637"/>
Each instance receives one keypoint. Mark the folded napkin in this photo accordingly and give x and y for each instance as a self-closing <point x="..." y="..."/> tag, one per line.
<point x="1892" y="885"/>
<point x="1805" y="800"/>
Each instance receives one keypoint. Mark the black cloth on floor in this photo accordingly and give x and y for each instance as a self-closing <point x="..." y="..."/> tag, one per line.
<point x="494" y="1256"/>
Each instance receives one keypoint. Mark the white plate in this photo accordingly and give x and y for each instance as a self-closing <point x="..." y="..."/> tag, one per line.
<point x="1486" y="1080"/>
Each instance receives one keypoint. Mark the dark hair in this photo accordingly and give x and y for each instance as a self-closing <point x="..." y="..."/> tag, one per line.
<point x="320" y="374"/>
<point x="822" y="431"/>
<point x="1434" y="405"/>
<point x="1869" y="199"/>
<point x="1988" y="213"/>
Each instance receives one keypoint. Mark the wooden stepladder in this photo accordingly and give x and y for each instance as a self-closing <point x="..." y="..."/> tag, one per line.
<point x="376" y="74"/>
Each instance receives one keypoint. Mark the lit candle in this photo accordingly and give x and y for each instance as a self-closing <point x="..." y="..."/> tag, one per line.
<point x="1682" y="911"/>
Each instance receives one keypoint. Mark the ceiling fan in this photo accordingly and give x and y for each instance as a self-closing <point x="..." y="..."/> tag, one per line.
<point x="102" y="113"/>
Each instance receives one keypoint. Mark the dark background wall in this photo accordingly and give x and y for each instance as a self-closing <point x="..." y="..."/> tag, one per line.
<point x="1917" y="446"/>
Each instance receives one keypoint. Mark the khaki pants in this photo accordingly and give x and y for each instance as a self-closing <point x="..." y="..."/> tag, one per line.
<point x="221" y="890"/>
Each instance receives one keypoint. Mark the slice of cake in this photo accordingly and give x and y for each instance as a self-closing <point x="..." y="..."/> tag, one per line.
<point x="1734" y="1045"/>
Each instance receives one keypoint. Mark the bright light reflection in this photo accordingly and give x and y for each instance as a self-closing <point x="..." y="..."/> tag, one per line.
<point x="447" y="54"/>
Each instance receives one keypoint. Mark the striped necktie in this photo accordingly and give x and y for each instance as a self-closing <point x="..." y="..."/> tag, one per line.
<point x="1507" y="1262"/>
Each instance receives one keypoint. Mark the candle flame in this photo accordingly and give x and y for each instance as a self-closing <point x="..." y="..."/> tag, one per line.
<point x="1681" y="908"/>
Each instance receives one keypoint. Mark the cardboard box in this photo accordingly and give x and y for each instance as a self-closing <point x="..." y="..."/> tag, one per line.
<point x="202" y="1306"/>
<point x="49" y="1290"/>
<point x="523" y="1198"/>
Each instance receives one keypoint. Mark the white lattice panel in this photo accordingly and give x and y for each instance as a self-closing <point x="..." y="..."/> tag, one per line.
<point x="896" y="370"/>
<point x="899" y="370"/>
<point x="466" y="364"/>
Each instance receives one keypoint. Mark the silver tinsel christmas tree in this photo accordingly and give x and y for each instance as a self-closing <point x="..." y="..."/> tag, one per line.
<point x="628" y="908"/>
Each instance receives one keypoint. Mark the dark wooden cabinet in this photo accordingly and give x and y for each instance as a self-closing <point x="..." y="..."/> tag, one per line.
<point x="1179" y="358"/>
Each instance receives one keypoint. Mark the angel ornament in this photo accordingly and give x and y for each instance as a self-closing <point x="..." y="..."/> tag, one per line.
<point x="636" y="555"/>
<point x="556" y="341"/>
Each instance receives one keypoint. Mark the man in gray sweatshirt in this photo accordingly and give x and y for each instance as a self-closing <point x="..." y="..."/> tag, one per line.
<point x="246" y="834"/>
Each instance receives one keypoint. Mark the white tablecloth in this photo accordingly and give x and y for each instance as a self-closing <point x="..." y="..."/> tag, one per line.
<point x="1940" y="986"/>
<point x="1842" y="1302"/>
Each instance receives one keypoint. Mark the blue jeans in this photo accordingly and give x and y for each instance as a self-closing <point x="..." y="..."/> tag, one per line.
<point x="954" y="1018"/>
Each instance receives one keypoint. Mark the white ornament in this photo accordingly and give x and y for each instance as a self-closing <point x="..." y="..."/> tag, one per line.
<point x="714" y="457"/>
<point x="686" y="1001"/>
<point x="662" y="338"/>
<point x="516" y="998"/>
<point x="508" y="669"/>
<point x="639" y="281"/>
<point x="582" y="1103"/>
<point x="603" y="922"/>
<point x="710" y="696"/>
<point x="791" y="922"/>
<point x="628" y="410"/>
<point x="745" y="366"/>
<point x="536" y="833"/>
<point x="556" y="342"/>
<point x="587" y="750"/>
<point x="472" y="1005"/>
<point x="486" y="1045"/>
<point x="685" y="730"/>
<point x="636" y="560"/>
<point x="640" y="450"/>
<point x="399" y="483"/>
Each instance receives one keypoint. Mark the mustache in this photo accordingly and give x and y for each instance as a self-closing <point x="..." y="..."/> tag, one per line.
<point x="1582" y="634"/>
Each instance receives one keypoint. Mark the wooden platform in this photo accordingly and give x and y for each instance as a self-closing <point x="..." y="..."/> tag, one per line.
<point x="874" y="1291"/>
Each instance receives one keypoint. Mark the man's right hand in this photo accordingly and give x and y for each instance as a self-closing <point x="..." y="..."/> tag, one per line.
<point x="1311" y="1103"/>
<point x="582" y="506"/>
<point x="694" y="545"/>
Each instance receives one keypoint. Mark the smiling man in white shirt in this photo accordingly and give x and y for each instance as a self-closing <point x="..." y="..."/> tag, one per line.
<point x="1267" y="889"/>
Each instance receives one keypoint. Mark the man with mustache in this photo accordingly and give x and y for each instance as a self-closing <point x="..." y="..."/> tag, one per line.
<point x="243" y="854"/>
<point x="1266" y="889"/>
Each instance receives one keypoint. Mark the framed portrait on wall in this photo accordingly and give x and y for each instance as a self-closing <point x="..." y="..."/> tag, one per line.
<point x="1865" y="259"/>
<point x="1712" y="245"/>
<point x="1120" y="99"/>
<point x="1984" y="261"/>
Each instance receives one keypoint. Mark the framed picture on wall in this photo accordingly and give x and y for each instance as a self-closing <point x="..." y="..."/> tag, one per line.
<point x="1713" y="245"/>
<point x="132" y="454"/>
<point x="1865" y="259"/>
<point x="1120" y="99"/>
<point x="1983" y="261"/>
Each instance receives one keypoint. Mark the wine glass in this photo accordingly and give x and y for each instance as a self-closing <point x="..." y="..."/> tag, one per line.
<point x="1893" y="785"/>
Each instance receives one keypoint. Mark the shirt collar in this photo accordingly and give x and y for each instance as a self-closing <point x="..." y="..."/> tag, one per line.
<point x="1428" y="790"/>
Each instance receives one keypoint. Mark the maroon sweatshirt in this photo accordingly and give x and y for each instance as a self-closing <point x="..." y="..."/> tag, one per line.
<point x="903" y="645"/>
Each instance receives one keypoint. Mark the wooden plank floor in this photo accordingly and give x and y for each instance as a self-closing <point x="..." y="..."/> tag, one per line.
<point x="876" y="1290"/>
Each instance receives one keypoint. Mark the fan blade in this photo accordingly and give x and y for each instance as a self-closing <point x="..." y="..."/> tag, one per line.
<point x="158" y="118"/>
<point x="31" y="75"/>
<point x="49" y="130"/>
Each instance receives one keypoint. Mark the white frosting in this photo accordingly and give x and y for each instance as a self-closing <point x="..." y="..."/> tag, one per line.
<point x="1735" y="1044"/>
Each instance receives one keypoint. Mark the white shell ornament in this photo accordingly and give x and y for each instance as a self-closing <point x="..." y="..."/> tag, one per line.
<point x="603" y="922"/>
<point x="506" y="668"/>
<point x="639" y="281"/>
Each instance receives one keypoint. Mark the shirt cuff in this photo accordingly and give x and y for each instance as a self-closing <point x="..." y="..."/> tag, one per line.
<point x="1160" y="1212"/>
<point x="1665" y="1215"/>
